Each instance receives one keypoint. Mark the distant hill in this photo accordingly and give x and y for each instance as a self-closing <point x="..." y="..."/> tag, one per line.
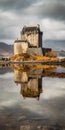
<point x="5" y="49"/>
<point x="56" y="45"/>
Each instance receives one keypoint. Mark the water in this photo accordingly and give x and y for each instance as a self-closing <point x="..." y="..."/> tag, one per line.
<point x="32" y="99"/>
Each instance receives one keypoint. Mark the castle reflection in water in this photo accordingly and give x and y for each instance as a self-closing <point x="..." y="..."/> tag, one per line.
<point x="31" y="85"/>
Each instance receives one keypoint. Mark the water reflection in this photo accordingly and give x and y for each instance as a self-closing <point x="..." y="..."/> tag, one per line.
<point x="30" y="86"/>
<point x="30" y="78"/>
<point x="38" y="71"/>
<point x="34" y="83"/>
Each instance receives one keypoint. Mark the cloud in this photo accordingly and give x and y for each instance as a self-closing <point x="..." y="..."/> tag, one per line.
<point x="50" y="24"/>
<point x="53" y="29"/>
<point x="42" y="9"/>
<point x="14" y="5"/>
<point x="52" y="10"/>
<point x="7" y="25"/>
<point x="12" y="23"/>
<point x="14" y="14"/>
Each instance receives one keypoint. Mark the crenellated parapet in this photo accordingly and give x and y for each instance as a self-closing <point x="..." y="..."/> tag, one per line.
<point x="33" y="35"/>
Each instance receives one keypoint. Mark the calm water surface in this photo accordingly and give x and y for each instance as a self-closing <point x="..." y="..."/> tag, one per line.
<point x="31" y="101"/>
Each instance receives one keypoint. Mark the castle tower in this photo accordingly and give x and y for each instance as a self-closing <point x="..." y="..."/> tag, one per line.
<point x="33" y="35"/>
<point x="20" y="46"/>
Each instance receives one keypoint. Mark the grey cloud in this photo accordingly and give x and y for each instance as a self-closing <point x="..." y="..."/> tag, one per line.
<point x="49" y="10"/>
<point x="6" y="27"/>
<point x="20" y="12"/>
<point x="15" y="5"/>
<point x="6" y="34"/>
<point x="7" y="31"/>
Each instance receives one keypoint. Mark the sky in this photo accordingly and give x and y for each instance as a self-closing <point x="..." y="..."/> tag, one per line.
<point x="49" y="14"/>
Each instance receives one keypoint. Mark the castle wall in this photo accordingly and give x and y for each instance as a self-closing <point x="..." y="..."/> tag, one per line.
<point x="20" y="47"/>
<point x="32" y="38"/>
<point x="37" y="51"/>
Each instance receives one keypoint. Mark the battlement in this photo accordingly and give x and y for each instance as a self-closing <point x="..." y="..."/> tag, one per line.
<point x="33" y="29"/>
<point x="33" y="35"/>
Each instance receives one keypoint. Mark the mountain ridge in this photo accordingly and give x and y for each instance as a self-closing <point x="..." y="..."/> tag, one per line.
<point x="5" y="49"/>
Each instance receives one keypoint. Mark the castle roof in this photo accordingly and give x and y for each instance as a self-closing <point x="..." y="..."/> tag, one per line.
<point x="32" y="29"/>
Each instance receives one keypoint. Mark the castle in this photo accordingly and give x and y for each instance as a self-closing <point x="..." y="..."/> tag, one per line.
<point x="31" y="41"/>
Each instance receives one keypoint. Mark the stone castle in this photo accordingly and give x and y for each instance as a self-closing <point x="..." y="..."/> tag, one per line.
<point x="31" y="41"/>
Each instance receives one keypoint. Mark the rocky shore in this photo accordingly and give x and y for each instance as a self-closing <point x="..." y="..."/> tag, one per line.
<point x="47" y="62"/>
